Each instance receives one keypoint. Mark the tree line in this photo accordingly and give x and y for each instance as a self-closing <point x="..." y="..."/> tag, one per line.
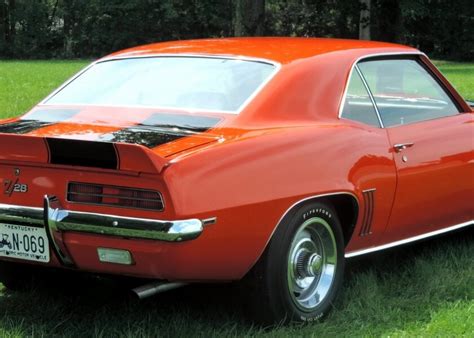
<point x="91" y="28"/>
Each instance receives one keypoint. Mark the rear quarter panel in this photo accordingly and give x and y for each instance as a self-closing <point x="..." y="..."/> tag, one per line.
<point x="250" y="184"/>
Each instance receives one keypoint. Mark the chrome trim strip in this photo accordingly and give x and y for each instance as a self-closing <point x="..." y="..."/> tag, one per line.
<point x="189" y="55"/>
<point x="209" y="221"/>
<point x="369" y="56"/>
<point x="371" y="96"/>
<point x="244" y="105"/>
<point x="369" y="190"/>
<point x="22" y="215"/>
<point x="60" y="220"/>
<point x="67" y="82"/>
<point x="408" y="240"/>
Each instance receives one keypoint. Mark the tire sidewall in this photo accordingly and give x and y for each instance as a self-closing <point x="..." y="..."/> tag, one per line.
<point x="277" y="264"/>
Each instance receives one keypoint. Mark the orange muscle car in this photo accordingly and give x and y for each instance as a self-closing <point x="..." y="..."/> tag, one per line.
<point x="269" y="159"/>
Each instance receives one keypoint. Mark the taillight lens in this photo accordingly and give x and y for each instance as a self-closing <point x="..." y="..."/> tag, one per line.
<point x="115" y="196"/>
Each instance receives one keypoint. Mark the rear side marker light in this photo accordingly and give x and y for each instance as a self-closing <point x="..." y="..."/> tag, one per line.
<point x="115" y="256"/>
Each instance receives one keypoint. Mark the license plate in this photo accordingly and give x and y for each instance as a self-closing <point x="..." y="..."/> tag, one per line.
<point x="23" y="242"/>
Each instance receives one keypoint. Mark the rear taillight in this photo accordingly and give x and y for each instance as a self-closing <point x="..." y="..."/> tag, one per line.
<point x="114" y="196"/>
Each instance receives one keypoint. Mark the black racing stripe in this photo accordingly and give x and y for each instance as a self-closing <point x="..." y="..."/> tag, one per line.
<point x="160" y="129"/>
<point x="195" y="123"/>
<point x="145" y="136"/>
<point x="22" y="126"/>
<point x="83" y="153"/>
<point x="36" y="120"/>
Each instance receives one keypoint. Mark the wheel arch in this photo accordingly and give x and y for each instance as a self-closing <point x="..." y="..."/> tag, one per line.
<point x="345" y="204"/>
<point x="347" y="209"/>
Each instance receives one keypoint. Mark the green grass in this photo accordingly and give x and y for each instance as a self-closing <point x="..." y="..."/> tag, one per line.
<point x="424" y="290"/>
<point x="420" y="290"/>
<point x="461" y="75"/>
<point x="24" y="84"/>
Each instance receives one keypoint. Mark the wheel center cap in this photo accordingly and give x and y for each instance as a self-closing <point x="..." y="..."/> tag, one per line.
<point x="308" y="264"/>
<point x="314" y="265"/>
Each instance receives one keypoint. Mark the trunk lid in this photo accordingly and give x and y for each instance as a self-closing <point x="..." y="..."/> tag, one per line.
<point x="105" y="135"/>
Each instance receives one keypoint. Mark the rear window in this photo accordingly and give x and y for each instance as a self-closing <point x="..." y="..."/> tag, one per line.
<point x="192" y="83"/>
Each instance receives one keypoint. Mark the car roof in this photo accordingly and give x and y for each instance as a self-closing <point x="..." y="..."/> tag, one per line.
<point x="281" y="50"/>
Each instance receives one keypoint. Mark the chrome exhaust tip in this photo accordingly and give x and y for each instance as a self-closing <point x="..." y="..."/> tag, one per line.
<point x="149" y="290"/>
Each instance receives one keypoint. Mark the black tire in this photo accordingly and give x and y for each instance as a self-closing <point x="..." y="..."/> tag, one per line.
<point x="17" y="277"/>
<point x="22" y="277"/>
<point x="273" y="283"/>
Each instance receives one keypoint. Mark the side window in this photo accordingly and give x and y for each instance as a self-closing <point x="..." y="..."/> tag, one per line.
<point x="405" y="92"/>
<point x="358" y="105"/>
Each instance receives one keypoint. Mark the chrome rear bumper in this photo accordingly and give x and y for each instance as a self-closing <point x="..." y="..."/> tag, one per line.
<point x="57" y="220"/>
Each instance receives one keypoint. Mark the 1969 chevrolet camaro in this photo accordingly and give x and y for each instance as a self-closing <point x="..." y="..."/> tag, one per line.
<point x="269" y="159"/>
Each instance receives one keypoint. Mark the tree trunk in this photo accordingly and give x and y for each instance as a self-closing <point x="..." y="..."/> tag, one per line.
<point x="249" y="17"/>
<point x="390" y="30"/>
<point x="3" y="22"/>
<point x="9" y="21"/>
<point x="364" y="22"/>
<point x="68" y="26"/>
<point x="53" y="14"/>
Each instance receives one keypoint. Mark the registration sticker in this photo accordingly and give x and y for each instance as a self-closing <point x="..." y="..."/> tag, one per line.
<point x="24" y="242"/>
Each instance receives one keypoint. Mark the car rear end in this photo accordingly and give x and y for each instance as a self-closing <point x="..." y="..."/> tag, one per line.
<point x="106" y="209"/>
<point x="84" y="173"/>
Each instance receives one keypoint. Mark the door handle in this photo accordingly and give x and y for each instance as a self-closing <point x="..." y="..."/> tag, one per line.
<point x="401" y="146"/>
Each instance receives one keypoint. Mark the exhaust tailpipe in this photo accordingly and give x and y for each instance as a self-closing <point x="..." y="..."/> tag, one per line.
<point x="155" y="288"/>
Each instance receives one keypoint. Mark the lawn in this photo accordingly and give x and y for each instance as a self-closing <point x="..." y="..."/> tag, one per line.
<point x="24" y="84"/>
<point x="425" y="289"/>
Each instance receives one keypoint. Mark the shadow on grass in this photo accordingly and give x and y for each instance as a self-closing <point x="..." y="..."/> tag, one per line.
<point x="384" y="292"/>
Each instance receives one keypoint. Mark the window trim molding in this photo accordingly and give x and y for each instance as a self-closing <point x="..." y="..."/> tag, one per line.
<point x="428" y="70"/>
<point x="415" y="56"/>
<point x="371" y="96"/>
<point x="277" y="67"/>
<point x="355" y="68"/>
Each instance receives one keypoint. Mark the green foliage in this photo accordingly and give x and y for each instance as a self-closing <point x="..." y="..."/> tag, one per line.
<point x="320" y="18"/>
<point x="85" y="28"/>
<point x="91" y="28"/>
<point x="443" y="28"/>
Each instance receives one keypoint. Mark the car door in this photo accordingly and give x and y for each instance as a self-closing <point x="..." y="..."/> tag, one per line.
<point x="432" y="145"/>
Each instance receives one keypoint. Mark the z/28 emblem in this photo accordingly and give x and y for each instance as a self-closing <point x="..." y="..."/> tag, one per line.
<point x="9" y="186"/>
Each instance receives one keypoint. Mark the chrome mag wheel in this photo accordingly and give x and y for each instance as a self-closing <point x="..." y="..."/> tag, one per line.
<point x="312" y="263"/>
